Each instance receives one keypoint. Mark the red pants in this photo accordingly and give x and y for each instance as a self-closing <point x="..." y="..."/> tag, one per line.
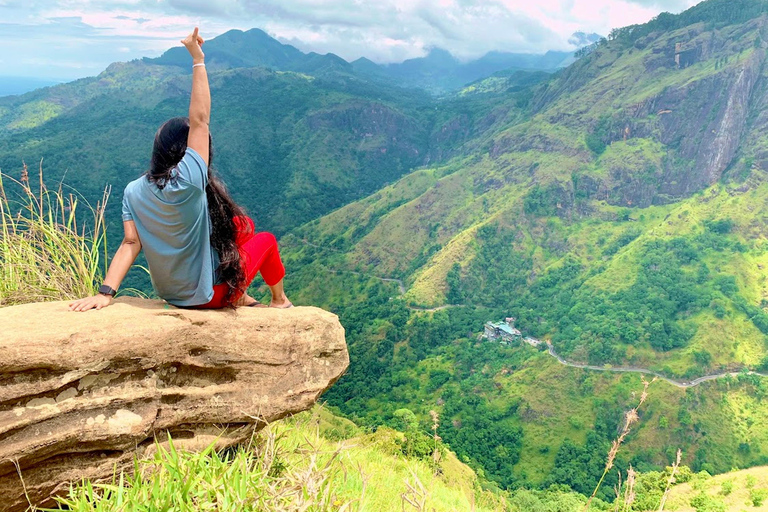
<point x="258" y="252"/>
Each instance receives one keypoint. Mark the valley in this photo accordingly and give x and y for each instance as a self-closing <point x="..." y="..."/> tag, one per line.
<point x="616" y="208"/>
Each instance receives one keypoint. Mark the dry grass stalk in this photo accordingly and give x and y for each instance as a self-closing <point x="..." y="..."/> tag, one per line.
<point x="629" y="492"/>
<point x="415" y="495"/>
<point x="435" y="453"/>
<point x="629" y="419"/>
<point x="617" y="491"/>
<point x="671" y="480"/>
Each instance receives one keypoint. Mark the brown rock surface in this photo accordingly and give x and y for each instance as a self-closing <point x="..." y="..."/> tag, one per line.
<point x="83" y="392"/>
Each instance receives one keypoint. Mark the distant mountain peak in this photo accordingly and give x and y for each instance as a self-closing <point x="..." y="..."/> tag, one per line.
<point x="581" y="39"/>
<point x="364" y="61"/>
<point x="439" y="52"/>
<point x="437" y="55"/>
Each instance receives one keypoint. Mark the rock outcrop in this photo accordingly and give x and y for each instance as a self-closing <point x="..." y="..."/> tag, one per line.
<point x="83" y="393"/>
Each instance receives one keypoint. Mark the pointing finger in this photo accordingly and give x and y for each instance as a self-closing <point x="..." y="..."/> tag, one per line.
<point x="194" y="34"/>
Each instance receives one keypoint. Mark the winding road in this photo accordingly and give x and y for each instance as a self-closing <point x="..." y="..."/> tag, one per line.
<point x="550" y="349"/>
<point x="629" y="369"/>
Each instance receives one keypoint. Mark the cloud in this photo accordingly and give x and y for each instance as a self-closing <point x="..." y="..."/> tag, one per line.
<point x="97" y="32"/>
<point x="664" y="5"/>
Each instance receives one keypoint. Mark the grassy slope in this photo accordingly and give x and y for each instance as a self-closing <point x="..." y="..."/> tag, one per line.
<point x="744" y="484"/>
<point x="561" y="402"/>
<point x="558" y="403"/>
<point x="376" y="463"/>
<point x="722" y="416"/>
<point x="403" y="234"/>
<point x="325" y="457"/>
<point x="719" y="425"/>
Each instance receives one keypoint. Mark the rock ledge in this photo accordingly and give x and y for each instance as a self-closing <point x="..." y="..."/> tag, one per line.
<point x="83" y="393"/>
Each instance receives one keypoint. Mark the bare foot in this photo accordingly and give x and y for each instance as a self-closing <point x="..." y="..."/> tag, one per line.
<point x="282" y="303"/>
<point x="248" y="301"/>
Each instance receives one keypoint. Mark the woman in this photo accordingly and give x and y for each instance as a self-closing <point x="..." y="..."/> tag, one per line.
<point x="201" y="248"/>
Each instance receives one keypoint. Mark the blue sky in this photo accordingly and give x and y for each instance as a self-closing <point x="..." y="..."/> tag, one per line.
<point x="68" y="39"/>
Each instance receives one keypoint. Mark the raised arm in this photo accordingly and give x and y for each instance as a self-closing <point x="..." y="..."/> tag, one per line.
<point x="200" y="102"/>
<point x="121" y="263"/>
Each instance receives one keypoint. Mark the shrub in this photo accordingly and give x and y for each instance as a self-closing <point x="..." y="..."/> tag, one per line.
<point x="704" y="503"/>
<point x="758" y="496"/>
<point x="721" y="227"/>
<point x="595" y="144"/>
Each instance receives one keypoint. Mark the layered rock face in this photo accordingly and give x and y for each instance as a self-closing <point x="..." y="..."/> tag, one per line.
<point x="84" y="393"/>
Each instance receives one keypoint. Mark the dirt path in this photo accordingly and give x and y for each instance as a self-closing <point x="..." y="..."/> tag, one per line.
<point x="438" y="308"/>
<point x="400" y="284"/>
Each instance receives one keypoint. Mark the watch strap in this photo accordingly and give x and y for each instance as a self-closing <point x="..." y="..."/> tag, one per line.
<point x="107" y="290"/>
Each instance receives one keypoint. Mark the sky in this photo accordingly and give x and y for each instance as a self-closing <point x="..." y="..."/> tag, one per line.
<point x="69" y="39"/>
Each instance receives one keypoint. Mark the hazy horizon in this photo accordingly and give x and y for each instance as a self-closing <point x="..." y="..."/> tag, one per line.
<point x="91" y="34"/>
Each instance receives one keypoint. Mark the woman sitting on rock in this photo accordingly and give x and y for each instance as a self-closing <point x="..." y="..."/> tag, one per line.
<point x="201" y="248"/>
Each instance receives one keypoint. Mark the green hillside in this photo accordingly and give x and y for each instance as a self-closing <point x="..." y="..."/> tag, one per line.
<point x="595" y="209"/>
<point x="280" y="138"/>
<point x="737" y="491"/>
<point x="514" y="413"/>
<point x="621" y="218"/>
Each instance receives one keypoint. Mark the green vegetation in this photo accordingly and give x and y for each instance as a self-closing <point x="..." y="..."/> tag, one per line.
<point x="557" y="422"/>
<point x="702" y="492"/>
<point x="670" y="282"/>
<point x="47" y="251"/>
<point x="313" y="461"/>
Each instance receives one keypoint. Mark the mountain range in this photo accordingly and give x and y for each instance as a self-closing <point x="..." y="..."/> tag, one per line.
<point x="614" y="208"/>
<point x="437" y="72"/>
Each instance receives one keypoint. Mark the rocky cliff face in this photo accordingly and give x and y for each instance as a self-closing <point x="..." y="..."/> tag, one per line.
<point x="83" y="394"/>
<point x="693" y="98"/>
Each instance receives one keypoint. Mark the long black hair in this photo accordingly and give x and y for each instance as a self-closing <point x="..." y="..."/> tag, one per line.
<point x="168" y="150"/>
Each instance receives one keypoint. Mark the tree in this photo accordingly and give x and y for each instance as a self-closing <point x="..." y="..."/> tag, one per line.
<point x="453" y="280"/>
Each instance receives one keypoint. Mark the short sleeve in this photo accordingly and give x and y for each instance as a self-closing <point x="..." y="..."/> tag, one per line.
<point x="193" y="169"/>
<point x="127" y="215"/>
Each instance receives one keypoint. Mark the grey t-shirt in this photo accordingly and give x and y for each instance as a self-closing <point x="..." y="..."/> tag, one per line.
<point x="175" y="231"/>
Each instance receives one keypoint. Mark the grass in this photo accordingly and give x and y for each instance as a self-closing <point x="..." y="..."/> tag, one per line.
<point x="312" y="462"/>
<point x="736" y="491"/>
<point x="47" y="250"/>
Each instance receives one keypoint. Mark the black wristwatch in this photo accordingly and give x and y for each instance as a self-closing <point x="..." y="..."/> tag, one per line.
<point x="107" y="290"/>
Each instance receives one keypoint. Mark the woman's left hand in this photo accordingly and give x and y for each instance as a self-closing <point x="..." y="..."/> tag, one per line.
<point x="98" y="301"/>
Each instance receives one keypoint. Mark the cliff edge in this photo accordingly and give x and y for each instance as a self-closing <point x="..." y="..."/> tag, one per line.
<point x="83" y="393"/>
